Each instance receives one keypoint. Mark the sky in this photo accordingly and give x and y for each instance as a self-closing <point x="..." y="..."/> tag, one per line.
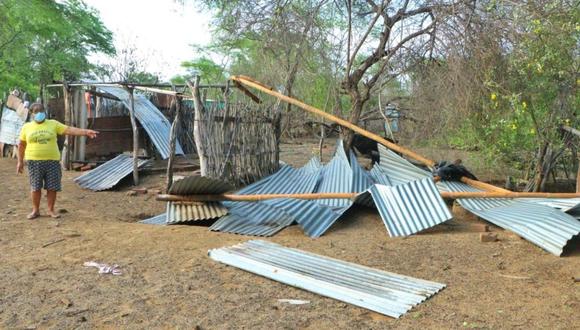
<point x="161" y="31"/>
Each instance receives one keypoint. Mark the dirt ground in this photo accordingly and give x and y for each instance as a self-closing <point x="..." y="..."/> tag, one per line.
<point x="168" y="280"/>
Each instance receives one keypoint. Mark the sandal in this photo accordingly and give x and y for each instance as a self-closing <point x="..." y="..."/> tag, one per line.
<point x="32" y="216"/>
<point x="54" y="215"/>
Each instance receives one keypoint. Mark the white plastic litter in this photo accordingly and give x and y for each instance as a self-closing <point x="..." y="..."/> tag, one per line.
<point x="104" y="268"/>
<point x="294" y="301"/>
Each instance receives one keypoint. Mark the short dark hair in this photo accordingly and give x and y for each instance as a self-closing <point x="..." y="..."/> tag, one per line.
<point x="36" y="107"/>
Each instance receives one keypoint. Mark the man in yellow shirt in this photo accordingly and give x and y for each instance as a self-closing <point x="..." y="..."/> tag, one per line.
<point x="38" y="146"/>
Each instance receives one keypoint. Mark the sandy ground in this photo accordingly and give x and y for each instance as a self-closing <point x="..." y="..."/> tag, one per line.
<point x="169" y="281"/>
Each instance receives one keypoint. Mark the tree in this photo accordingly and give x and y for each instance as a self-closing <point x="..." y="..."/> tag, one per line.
<point x="509" y="74"/>
<point x="127" y="66"/>
<point x="45" y="40"/>
<point x="277" y="41"/>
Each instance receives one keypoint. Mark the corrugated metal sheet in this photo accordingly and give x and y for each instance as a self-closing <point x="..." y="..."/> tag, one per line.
<point x="255" y="219"/>
<point x="410" y="208"/>
<point x="193" y="185"/>
<point x="476" y="203"/>
<point x="10" y="127"/>
<point x="266" y="218"/>
<point x="398" y="169"/>
<point x="383" y="292"/>
<point x="542" y="225"/>
<point x="179" y="212"/>
<point x="152" y="120"/>
<point x="156" y="220"/>
<point x="570" y="205"/>
<point x="362" y="180"/>
<point x="108" y="174"/>
<point x="337" y="177"/>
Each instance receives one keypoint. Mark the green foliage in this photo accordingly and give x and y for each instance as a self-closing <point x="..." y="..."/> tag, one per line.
<point x="45" y="40"/>
<point x="534" y="93"/>
<point x="206" y="68"/>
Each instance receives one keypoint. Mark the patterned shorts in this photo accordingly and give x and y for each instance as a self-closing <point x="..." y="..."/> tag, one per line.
<point x="44" y="174"/>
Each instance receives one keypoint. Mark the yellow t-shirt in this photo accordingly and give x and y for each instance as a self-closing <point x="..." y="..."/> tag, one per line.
<point x="41" y="139"/>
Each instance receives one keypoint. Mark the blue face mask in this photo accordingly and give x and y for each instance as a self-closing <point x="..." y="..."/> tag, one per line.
<point x="40" y="117"/>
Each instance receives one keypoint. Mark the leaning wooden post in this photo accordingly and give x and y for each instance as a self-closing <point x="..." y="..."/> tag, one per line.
<point x="67" y="148"/>
<point x="135" y="136"/>
<point x="172" y="138"/>
<point x="198" y="108"/>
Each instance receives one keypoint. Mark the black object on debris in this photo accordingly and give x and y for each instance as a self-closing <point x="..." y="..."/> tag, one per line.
<point x="452" y="171"/>
<point x="368" y="147"/>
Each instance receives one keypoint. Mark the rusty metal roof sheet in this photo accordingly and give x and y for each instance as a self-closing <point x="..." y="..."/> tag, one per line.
<point x="152" y="120"/>
<point x="180" y="212"/>
<point x="383" y="292"/>
<point x="107" y="175"/>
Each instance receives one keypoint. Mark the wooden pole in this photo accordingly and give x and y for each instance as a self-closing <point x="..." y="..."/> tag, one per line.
<point x="172" y="138"/>
<point x="269" y="90"/>
<point x="135" y="136"/>
<point x="257" y="198"/>
<point x="67" y="148"/>
<point x="82" y="123"/>
<point x="409" y="153"/>
<point x="198" y="108"/>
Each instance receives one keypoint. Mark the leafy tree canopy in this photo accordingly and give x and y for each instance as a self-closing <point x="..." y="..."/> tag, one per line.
<point x="45" y="40"/>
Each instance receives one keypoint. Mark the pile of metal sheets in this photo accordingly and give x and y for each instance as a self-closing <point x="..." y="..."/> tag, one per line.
<point x="383" y="292"/>
<point x="107" y="175"/>
<point x="423" y="209"/>
<point x="540" y="221"/>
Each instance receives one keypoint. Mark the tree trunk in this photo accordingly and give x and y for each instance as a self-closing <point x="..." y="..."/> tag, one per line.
<point x="66" y="150"/>
<point x="172" y="138"/>
<point x="135" y="137"/>
<point x="347" y="134"/>
<point x="540" y="167"/>
<point x="198" y="108"/>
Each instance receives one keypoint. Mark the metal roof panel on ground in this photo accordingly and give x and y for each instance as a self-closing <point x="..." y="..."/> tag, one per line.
<point x="180" y="212"/>
<point x="107" y="175"/>
<point x="193" y="185"/>
<point x="337" y="177"/>
<point x="383" y="292"/>
<point x="361" y="181"/>
<point x="266" y="218"/>
<point x="156" y="220"/>
<point x="398" y="169"/>
<point x="542" y="225"/>
<point x="254" y="219"/>
<point x="410" y="208"/>
<point x="152" y="120"/>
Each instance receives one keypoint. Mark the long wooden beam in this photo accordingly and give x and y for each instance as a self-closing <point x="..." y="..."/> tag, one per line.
<point x="269" y="90"/>
<point x="409" y="153"/>
<point x="257" y="198"/>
